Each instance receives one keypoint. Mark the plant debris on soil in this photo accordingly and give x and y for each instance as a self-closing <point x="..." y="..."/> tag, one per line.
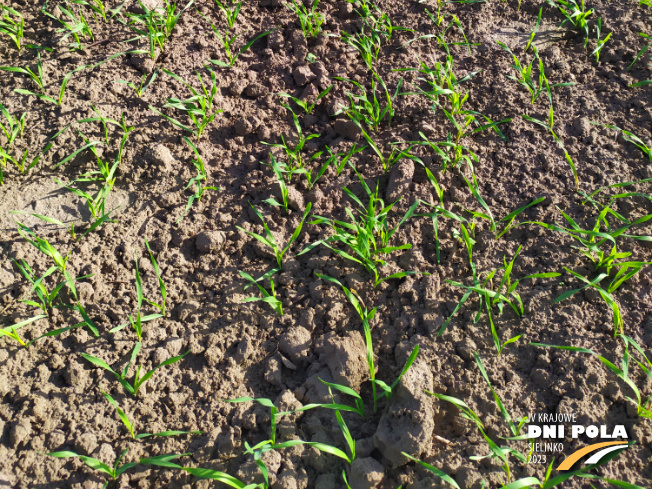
<point x="304" y="244"/>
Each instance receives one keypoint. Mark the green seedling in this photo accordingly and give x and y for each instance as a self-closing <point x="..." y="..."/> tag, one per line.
<point x="643" y="406"/>
<point x="268" y="297"/>
<point x="47" y="249"/>
<point x="117" y="470"/>
<point x="341" y="159"/>
<point x="295" y="163"/>
<point x="121" y="376"/>
<point x="202" y="473"/>
<point x="272" y="444"/>
<point x="438" y="211"/>
<point x="122" y="124"/>
<point x="375" y="29"/>
<point x="368" y="234"/>
<point x="130" y="427"/>
<point x="549" y="126"/>
<point x="502" y="454"/>
<point x="310" y="19"/>
<point x="490" y="297"/>
<point x="230" y="12"/>
<point x="36" y="76"/>
<point x="269" y="239"/>
<point x="62" y="89"/>
<point x="46" y="300"/>
<point x="96" y="203"/>
<point x="388" y="160"/>
<point x="364" y="6"/>
<point x="439" y="473"/>
<point x="161" y="283"/>
<point x="96" y="6"/>
<point x="156" y="24"/>
<point x="630" y="137"/>
<point x="438" y="20"/>
<point x="526" y="78"/>
<point x="10" y="26"/>
<point x="73" y="25"/>
<point x="366" y="108"/>
<point x="509" y="218"/>
<point x="600" y="42"/>
<point x="197" y="180"/>
<point x="576" y="15"/>
<point x="642" y="51"/>
<point x="228" y="42"/>
<point x="11" y="331"/>
<point x="71" y="226"/>
<point x="534" y="31"/>
<point x="607" y="262"/>
<point x="450" y="153"/>
<point x="623" y="274"/>
<point x="144" y="83"/>
<point x="199" y="107"/>
<point x="12" y="130"/>
<point x="366" y="316"/>
<point x="136" y="323"/>
<point x="368" y="46"/>
<point x="307" y="105"/>
<point x="280" y="178"/>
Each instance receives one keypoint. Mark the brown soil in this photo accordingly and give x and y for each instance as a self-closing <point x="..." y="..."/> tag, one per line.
<point x="50" y="397"/>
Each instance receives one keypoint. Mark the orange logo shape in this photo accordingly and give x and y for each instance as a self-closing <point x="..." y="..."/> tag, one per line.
<point x="608" y="446"/>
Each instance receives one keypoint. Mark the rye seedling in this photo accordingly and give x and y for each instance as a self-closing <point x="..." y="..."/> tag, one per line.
<point x="490" y="297"/>
<point x="307" y="105"/>
<point x="280" y="178"/>
<point x="96" y="6"/>
<point x="269" y="239"/>
<point x="136" y="323"/>
<point x="44" y="246"/>
<point x="388" y="160"/>
<point x="73" y="25"/>
<point x="295" y="163"/>
<point x="310" y="19"/>
<point x="144" y="83"/>
<point x="439" y="473"/>
<point x="62" y="89"/>
<point x="10" y="26"/>
<point x="36" y="76"/>
<point x="268" y="297"/>
<point x="643" y="406"/>
<point x="230" y="12"/>
<point x="161" y="283"/>
<point x="576" y="15"/>
<point x="599" y="42"/>
<point x="502" y="454"/>
<point x="642" y="51"/>
<point x="197" y="180"/>
<point x="156" y="24"/>
<point x="46" y="300"/>
<point x="117" y="470"/>
<point x="199" y="107"/>
<point x="368" y="234"/>
<point x="451" y="153"/>
<point x="138" y="380"/>
<point x="366" y="107"/>
<point x="549" y="126"/>
<point x="228" y="42"/>
<point x="536" y="86"/>
<point x="630" y="137"/>
<point x="11" y="331"/>
<point x="130" y="426"/>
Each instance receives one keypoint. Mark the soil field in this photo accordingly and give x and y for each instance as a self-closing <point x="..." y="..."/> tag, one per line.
<point x="362" y="293"/>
